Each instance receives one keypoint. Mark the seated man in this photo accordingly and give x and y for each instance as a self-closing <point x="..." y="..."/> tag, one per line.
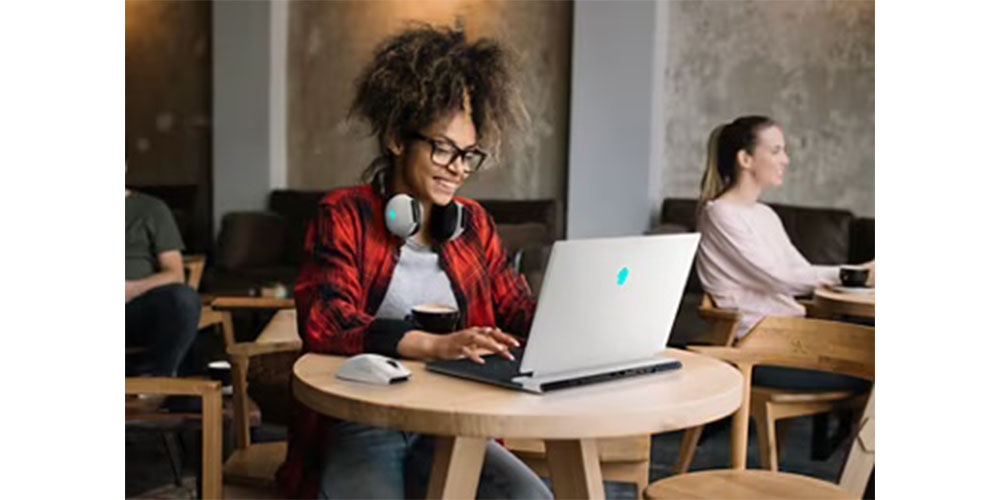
<point x="161" y="312"/>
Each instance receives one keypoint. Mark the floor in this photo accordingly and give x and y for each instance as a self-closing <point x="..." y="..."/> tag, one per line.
<point x="148" y="473"/>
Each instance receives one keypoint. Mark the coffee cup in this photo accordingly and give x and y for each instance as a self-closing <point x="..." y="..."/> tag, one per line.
<point x="222" y="371"/>
<point x="435" y="318"/>
<point x="854" y="275"/>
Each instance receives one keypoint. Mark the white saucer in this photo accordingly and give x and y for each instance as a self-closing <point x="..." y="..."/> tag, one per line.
<point x="856" y="290"/>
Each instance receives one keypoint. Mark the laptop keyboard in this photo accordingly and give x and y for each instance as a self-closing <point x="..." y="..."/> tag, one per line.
<point x="496" y="367"/>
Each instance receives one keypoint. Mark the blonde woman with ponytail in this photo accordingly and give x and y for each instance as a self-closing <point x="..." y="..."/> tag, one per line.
<point x="745" y="259"/>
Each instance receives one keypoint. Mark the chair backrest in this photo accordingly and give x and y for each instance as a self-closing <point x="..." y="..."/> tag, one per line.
<point x="723" y="323"/>
<point x="814" y="344"/>
<point x="194" y="266"/>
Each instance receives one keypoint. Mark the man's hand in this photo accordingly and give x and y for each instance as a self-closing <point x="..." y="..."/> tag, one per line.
<point x="469" y="342"/>
<point x="133" y="289"/>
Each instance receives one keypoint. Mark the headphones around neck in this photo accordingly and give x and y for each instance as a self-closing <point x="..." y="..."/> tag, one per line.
<point x="403" y="214"/>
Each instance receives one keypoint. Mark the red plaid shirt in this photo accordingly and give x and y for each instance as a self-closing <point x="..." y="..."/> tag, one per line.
<point x="350" y="257"/>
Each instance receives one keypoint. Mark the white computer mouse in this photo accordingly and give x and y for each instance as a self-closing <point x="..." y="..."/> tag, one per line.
<point x="373" y="369"/>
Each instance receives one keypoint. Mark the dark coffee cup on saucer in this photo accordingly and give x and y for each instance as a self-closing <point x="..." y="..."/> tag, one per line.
<point x="854" y="276"/>
<point x="435" y="318"/>
<point x="221" y="370"/>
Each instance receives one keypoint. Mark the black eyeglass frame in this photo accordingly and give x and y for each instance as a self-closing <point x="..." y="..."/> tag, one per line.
<point x="458" y="152"/>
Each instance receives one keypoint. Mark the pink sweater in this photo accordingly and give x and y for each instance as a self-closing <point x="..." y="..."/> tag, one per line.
<point x="746" y="261"/>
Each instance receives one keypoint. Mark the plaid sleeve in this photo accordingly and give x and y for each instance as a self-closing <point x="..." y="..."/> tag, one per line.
<point x="329" y="295"/>
<point x="513" y="302"/>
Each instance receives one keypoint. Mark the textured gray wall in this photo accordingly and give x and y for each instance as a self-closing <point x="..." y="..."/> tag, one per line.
<point x="327" y="50"/>
<point x="808" y="64"/>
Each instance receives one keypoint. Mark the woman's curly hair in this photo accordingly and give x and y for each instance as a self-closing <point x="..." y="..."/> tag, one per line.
<point x="424" y="73"/>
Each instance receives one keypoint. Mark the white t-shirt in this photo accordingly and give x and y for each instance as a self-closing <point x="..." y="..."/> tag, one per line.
<point x="417" y="279"/>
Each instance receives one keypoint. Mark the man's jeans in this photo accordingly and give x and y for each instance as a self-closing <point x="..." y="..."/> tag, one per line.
<point x="164" y="320"/>
<point x="362" y="461"/>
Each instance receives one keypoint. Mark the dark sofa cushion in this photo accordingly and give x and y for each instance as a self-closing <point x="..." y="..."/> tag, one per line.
<point x="862" y="240"/>
<point x="522" y="211"/>
<point x="250" y="240"/>
<point x="679" y="211"/>
<point x="516" y="236"/>
<point x="823" y="235"/>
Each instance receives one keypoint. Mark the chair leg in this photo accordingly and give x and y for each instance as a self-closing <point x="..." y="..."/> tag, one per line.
<point x="641" y="478"/>
<point x="767" y="443"/>
<point x="688" y="445"/>
<point x="174" y="455"/>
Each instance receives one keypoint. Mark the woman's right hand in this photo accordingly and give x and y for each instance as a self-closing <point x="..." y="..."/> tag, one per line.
<point x="471" y="341"/>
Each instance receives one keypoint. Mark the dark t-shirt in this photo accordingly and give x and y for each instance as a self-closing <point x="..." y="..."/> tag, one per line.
<point x="149" y="230"/>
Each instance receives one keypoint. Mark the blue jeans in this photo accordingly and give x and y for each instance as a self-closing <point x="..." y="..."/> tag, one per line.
<point x="164" y="320"/>
<point x="362" y="461"/>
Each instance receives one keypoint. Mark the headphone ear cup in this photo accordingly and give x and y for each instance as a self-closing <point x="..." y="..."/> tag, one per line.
<point x="402" y="215"/>
<point x="447" y="222"/>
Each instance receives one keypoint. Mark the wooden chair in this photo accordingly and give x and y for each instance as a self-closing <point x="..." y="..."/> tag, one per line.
<point x="798" y="343"/>
<point x="145" y="413"/>
<point x="211" y="420"/>
<point x="251" y="466"/>
<point x="767" y="404"/>
<point x="722" y="322"/>
<point x="622" y="459"/>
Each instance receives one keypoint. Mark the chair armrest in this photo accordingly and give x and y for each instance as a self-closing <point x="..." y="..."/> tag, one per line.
<point x="711" y="313"/>
<point x="194" y="267"/>
<point x="251" y="349"/>
<point x="171" y="386"/>
<point x="252" y="303"/>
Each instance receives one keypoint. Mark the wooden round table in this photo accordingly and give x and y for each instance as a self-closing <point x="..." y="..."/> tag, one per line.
<point x="465" y="414"/>
<point x="830" y="303"/>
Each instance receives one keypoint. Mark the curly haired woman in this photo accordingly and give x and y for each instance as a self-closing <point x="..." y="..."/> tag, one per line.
<point x="437" y="104"/>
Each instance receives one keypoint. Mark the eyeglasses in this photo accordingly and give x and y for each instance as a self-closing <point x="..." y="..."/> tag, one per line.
<point x="444" y="152"/>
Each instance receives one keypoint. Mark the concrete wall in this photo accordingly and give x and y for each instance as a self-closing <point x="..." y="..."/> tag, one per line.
<point x="327" y="50"/>
<point x="810" y="65"/>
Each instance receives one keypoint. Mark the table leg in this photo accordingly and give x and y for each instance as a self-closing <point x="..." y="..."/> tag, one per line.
<point x="575" y="468"/>
<point x="458" y="461"/>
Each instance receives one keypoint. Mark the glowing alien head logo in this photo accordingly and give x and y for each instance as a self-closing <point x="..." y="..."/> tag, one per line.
<point x="622" y="276"/>
<point x="392" y="214"/>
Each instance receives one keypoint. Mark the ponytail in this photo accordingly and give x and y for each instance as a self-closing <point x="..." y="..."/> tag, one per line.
<point x="712" y="184"/>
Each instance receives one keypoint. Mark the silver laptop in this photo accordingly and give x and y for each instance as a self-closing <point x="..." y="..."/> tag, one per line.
<point x="606" y="309"/>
